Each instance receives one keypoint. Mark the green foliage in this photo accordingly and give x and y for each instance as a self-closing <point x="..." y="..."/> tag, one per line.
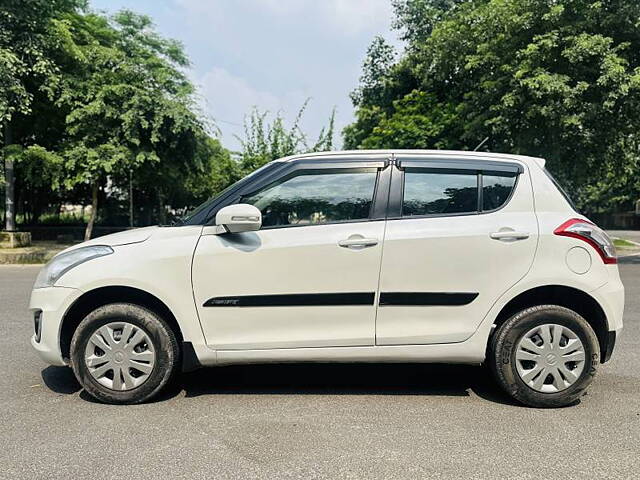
<point x="96" y="102"/>
<point x="264" y="141"/>
<point x="416" y="19"/>
<point x="408" y="125"/>
<point x="39" y="167"/>
<point x="28" y="41"/>
<point x="377" y="64"/>
<point x="558" y="79"/>
<point x="128" y="103"/>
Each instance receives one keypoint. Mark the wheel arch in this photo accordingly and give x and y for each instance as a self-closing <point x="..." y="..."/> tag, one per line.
<point x="569" y="297"/>
<point x="98" y="297"/>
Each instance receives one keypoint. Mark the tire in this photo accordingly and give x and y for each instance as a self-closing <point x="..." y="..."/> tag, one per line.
<point x="146" y="360"/>
<point x="516" y="374"/>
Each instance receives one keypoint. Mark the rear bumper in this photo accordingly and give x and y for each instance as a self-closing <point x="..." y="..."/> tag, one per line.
<point x="611" y="298"/>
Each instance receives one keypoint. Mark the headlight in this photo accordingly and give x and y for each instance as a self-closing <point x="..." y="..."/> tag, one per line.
<point x="60" y="264"/>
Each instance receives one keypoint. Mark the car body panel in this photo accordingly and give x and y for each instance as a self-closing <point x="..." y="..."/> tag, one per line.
<point x="453" y="253"/>
<point x="285" y="261"/>
<point x="184" y="266"/>
<point x="160" y="266"/>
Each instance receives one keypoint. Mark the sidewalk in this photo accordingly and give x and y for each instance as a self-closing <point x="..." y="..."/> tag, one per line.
<point x="39" y="252"/>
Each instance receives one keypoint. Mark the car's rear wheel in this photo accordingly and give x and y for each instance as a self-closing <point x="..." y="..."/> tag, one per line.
<point x="545" y="356"/>
<point x="123" y="353"/>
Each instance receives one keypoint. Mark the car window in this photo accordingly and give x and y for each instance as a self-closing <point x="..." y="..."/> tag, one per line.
<point x="433" y="193"/>
<point x="496" y="190"/>
<point x="316" y="197"/>
<point x="200" y="214"/>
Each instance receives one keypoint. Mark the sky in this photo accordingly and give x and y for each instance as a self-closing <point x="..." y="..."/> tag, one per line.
<point x="272" y="54"/>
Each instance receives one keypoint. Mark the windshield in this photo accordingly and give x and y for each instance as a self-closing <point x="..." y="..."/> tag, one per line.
<point x="202" y="208"/>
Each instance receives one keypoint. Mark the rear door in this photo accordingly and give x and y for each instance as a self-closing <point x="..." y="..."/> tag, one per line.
<point x="460" y="233"/>
<point x="309" y="277"/>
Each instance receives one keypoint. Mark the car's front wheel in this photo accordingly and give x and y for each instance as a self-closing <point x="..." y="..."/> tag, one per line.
<point x="545" y="356"/>
<point x="123" y="353"/>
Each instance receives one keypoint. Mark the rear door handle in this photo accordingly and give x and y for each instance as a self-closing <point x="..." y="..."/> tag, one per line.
<point x="358" y="242"/>
<point x="509" y="235"/>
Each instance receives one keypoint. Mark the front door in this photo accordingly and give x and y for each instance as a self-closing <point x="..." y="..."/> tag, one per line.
<point x="461" y="235"/>
<point x="309" y="277"/>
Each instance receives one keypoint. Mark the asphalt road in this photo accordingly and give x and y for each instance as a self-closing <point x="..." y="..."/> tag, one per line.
<point x="313" y="421"/>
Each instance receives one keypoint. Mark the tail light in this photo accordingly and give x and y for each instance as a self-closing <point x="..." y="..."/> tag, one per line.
<point x="592" y="234"/>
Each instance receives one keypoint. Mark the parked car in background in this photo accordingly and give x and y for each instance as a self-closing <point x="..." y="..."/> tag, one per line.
<point x="363" y="256"/>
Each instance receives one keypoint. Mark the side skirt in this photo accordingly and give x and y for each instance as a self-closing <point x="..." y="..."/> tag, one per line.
<point x="440" y="353"/>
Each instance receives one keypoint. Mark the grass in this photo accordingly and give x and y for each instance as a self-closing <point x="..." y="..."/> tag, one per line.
<point x="621" y="243"/>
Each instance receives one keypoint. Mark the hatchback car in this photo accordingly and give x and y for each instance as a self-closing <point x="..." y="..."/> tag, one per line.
<point x="363" y="256"/>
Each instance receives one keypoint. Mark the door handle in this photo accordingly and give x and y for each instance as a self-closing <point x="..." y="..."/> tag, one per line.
<point x="358" y="242"/>
<point x="509" y="235"/>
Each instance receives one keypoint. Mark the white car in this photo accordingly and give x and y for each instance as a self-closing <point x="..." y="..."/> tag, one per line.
<point x="363" y="256"/>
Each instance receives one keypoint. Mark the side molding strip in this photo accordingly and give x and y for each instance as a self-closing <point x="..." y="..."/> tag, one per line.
<point x="293" y="300"/>
<point x="426" y="298"/>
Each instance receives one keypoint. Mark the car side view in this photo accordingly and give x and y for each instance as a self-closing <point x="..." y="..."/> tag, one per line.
<point x="360" y="256"/>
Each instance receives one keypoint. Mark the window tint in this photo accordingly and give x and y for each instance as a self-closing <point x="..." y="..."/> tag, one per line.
<point x="314" y="197"/>
<point x="429" y="193"/>
<point x="496" y="190"/>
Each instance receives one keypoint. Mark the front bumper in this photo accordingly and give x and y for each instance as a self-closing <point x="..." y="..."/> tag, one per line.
<point x="53" y="303"/>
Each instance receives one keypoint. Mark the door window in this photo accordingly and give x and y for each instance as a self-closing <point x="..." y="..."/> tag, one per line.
<point x="428" y="192"/>
<point x="433" y="193"/>
<point x="315" y="197"/>
<point x="496" y="190"/>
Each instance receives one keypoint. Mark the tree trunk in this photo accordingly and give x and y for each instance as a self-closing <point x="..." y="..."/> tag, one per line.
<point x="162" y="217"/>
<point x="94" y="211"/>
<point x="131" y="198"/>
<point x="10" y="205"/>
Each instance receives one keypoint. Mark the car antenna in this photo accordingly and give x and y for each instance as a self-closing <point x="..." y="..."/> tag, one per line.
<point x="481" y="144"/>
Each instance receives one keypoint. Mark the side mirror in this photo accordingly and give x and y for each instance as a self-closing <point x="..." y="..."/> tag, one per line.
<point x="238" y="218"/>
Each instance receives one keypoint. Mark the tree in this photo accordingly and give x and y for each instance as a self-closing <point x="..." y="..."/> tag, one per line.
<point x="101" y="107"/>
<point x="408" y="125"/>
<point x="264" y="141"/>
<point x="558" y="79"/>
<point x="30" y="33"/>
<point x="130" y="108"/>
<point x="416" y="19"/>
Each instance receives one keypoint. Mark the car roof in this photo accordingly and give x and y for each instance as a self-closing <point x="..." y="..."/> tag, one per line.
<point x="441" y="154"/>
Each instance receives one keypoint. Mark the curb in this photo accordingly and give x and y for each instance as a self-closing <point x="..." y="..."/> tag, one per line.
<point x="26" y="258"/>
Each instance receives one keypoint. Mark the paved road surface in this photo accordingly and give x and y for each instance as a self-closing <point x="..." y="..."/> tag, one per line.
<point x="386" y="421"/>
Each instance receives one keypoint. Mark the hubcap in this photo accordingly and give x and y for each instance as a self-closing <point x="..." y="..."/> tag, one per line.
<point x="120" y="356"/>
<point x="550" y="358"/>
